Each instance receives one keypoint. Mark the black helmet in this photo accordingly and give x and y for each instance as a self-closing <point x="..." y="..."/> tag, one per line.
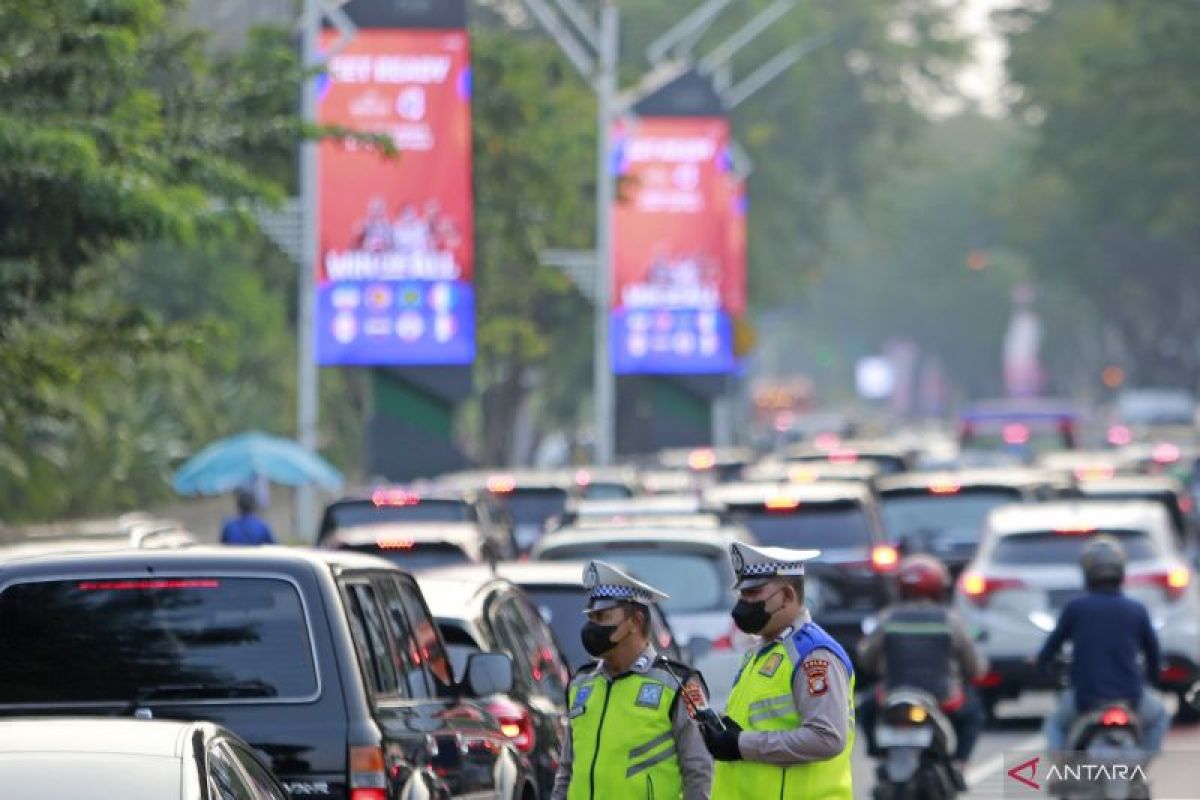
<point x="246" y="501"/>
<point x="1103" y="561"/>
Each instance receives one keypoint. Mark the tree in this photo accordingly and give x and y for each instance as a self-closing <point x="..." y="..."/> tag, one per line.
<point x="1110" y="207"/>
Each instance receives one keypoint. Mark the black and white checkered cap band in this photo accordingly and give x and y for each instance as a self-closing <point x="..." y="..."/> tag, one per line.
<point x="771" y="569"/>
<point x="614" y="592"/>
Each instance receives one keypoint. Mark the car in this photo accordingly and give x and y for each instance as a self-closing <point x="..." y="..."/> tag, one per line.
<point x="398" y="514"/>
<point x="658" y="480"/>
<point x="133" y="759"/>
<point x="530" y="498"/>
<point x="1027" y="568"/>
<point x="1020" y="427"/>
<point x="690" y="565"/>
<point x="643" y="509"/>
<point x="707" y="463"/>
<point x="477" y="611"/>
<point x="1084" y="465"/>
<point x="327" y="662"/>
<point x="557" y="591"/>
<point x="943" y="513"/>
<point x="1166" y="491"/>
<point x="853" y="579"/>
<point x="411" y="546"/>
<point x="774" y="470"/>
<point x="890" y="457"/>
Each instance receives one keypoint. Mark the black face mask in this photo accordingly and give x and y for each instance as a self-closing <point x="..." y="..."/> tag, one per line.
<point x="752" y="617"/>
<point x="597" y="639"/>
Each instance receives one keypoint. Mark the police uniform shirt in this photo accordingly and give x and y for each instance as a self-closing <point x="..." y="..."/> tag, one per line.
<point x="821" y="694"/>
<point x="695" y="763"/>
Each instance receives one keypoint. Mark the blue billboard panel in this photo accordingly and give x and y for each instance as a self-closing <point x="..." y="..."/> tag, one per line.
<point x="671" y="341"/>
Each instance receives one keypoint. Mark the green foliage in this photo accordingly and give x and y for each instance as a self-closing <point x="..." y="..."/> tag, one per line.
<point x="1111" y="203"/>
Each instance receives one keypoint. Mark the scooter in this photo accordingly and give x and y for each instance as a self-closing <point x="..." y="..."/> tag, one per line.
<point x="916" y="740"/>
<point x="1106" y="760"/>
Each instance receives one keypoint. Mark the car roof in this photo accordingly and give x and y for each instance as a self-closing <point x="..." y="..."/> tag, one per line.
<point x="1014" y="477"/>
<point x="1131" y="484"/>
<point x="819" y="492"/>
<point x="679" y="503"/>
<point x="456" y="532"/>
<point x="1117" y="515"/>
<point x="519" y="573"/>
<point x="199" y="558"/>
<point x="161" y="738"/>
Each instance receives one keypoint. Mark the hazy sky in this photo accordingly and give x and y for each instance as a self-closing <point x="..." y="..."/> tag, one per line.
<point x="981" y="81"/>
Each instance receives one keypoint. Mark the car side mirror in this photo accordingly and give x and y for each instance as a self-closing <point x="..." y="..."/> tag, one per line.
<point x="698" y="647"/>
<point x="489" y="673"/>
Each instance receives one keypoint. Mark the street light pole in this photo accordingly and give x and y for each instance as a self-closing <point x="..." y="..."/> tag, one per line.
<point x="606" y="90"/>
<point x="307" y="386"/>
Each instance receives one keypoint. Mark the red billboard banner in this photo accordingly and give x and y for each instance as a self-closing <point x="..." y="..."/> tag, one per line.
<point x="396" y="233"/>
<point x="733" y="277"/>
<point x="673" y="240"/>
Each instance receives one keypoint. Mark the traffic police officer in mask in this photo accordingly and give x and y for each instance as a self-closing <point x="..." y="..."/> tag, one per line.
<point x="631" y="730"/>
<point x="789" y="723"/>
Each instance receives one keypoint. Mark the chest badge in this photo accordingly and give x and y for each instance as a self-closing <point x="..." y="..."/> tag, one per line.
<point x="650" y="695"/>
<point x="771" y="665"/>
<point x="580" y="704"/>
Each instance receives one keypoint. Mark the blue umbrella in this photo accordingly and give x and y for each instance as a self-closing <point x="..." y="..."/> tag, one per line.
<point x="229" y="463"/>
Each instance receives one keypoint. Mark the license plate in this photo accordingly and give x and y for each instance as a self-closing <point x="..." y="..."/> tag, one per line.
<point x="887" y="736"/>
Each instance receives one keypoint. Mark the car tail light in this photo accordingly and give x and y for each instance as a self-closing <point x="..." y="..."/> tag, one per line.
<point x="148" y="584"/>
<point x="1016" y="434"/>
<point x="1175" y="674"/>
<point x="582" y="477"/>
<point x="945" y="487"/>
<point x="395" y="497"/>
<point x="989" y="680"/>
<point x="515" y="723"/>
<point x="1075" y="530"/>
<point x="843" y="456"/>
<point x="977" y="587"/>
<point x="1173" y="582"/>
<point x="1119" y="436"/>
<point x="884" y="558"/>
<point x="702" y="459"/>
<point x="368" y="777"/>
<point x="1186" y="505"/>
<point x="501" y="484"/>
<point x="1115" y="717"/>
<point x="1096" y="472"/>
<point x="1165" y="453"/>
<point x="781" y="503"/>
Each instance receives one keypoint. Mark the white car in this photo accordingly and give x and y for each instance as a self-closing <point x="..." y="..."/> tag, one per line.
<point x="1027" y="568"/>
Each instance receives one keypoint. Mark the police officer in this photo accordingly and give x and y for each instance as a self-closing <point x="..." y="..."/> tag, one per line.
<point x="631" y="732"/>
<point x="789" y="722"/>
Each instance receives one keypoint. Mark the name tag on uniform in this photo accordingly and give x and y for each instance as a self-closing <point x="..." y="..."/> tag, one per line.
<point x="650" y="695"/>
<point x="580" y="704"/>
<point x="771" y="665"/>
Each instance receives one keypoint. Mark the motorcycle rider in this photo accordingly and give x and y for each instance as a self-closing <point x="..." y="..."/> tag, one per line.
<point x="1107" y="631"/>
<point x="919" y="643"/>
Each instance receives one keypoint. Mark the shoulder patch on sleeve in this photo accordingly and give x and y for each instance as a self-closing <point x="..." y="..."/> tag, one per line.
<point x="696" y="695"/>
<point x="816" y="674"/>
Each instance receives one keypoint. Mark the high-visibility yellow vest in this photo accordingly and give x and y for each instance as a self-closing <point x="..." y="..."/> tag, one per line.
<point x="762" y="701"/>
<point x="622" y="738"/>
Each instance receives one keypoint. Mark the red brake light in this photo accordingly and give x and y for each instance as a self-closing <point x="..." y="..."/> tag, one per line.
<point x="1175" y="673"/>
<point x="884" y="558"/>
<point x="977" y="587"/>
<point x="501" y="484"/>
<point x="1095" y="473"/>
<point x="1114" y="717"/>
<point x="368" y="777"/>
<point x="1016" y="434"/>
<point x="1174" y="582"/>
<point x="1075" y="530"/>
<point x="1186" y="505"/>
<point x="582" y="477"/>
<point x="1119" y="436"/>
<point x="395" y="497"/>
<point x="515" y="723"/>
<point x="395" y="544"/>
<point x="1165" y="453"/>
<point x="945" y="487"/>
<point x="157" y="583"/>
<point x="781" y="503"/>
<point x="702" y="459"/>
<point x="843" y="456"/>
<point x="989" y="681"/>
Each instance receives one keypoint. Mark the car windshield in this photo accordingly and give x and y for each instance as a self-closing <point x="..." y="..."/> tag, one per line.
<point x="534" y="506"/>
<point x="364" y="512"/>
<point x="821" y="527"/>
<point x="694" y="581"/>
<point x="562" y="609"/>
<point x="959" y="515"/>
<point x="1053" y="547"/>
<point x="416" y="556"/>
<point x="126" y="640"/>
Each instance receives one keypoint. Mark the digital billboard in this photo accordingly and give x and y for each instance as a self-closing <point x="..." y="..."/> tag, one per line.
<point x="396" y="233"/>
<point x="672" y="295"/>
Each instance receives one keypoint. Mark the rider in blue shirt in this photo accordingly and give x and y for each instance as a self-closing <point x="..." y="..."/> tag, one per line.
<point x="246" y="528"/>
<point x="1107" y="631"/>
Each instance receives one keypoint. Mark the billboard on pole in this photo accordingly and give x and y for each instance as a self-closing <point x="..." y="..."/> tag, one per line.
<point x="672" y="233"/>
<point x="396" y="232"/>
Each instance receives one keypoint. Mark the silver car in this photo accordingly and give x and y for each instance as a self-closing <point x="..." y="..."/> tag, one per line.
<point x="1027" y="568"/>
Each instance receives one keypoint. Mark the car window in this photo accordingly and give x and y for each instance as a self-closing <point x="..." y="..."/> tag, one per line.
<point x="514" y="638"/>
<point x="224" y="780"/>
<point x="267" y="787"/>
<point x="695" y="581"/>
<point x="155" y="639"/>
<point x="1052" y="547"/>
<point x="370" y="639"/>
<point x="425" y="635"/>
<point x="956" y="515"/>
<point x="404" y="642"/>
<point x="535" y="506"/>
<point x="549" y="670"/>
<point x="824" y="526"/>
<point x="562" y="609"/>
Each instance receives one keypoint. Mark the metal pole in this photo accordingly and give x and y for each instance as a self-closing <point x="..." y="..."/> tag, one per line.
<point x="306" y="366"/>
<point x="606" y="91"/>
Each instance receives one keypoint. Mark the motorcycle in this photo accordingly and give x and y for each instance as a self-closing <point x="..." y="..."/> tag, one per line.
<point x="915" y="739"/>
<point x="1105" y="759"/>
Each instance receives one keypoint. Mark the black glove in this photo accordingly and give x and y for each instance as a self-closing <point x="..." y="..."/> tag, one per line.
<point x="722" y="744"/>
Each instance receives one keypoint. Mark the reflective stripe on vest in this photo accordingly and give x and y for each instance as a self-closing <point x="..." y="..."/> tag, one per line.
<point x="762" y="701"/>
<point x="622" y="738"/>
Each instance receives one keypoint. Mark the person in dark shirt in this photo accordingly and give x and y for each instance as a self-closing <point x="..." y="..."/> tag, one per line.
<point x="246" y="528"/>
<point x="1107" y="631"/>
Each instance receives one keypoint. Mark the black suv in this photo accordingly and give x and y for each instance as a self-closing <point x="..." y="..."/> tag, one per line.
<point x="328" y="663"/>
<point x="476" y="612"/>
